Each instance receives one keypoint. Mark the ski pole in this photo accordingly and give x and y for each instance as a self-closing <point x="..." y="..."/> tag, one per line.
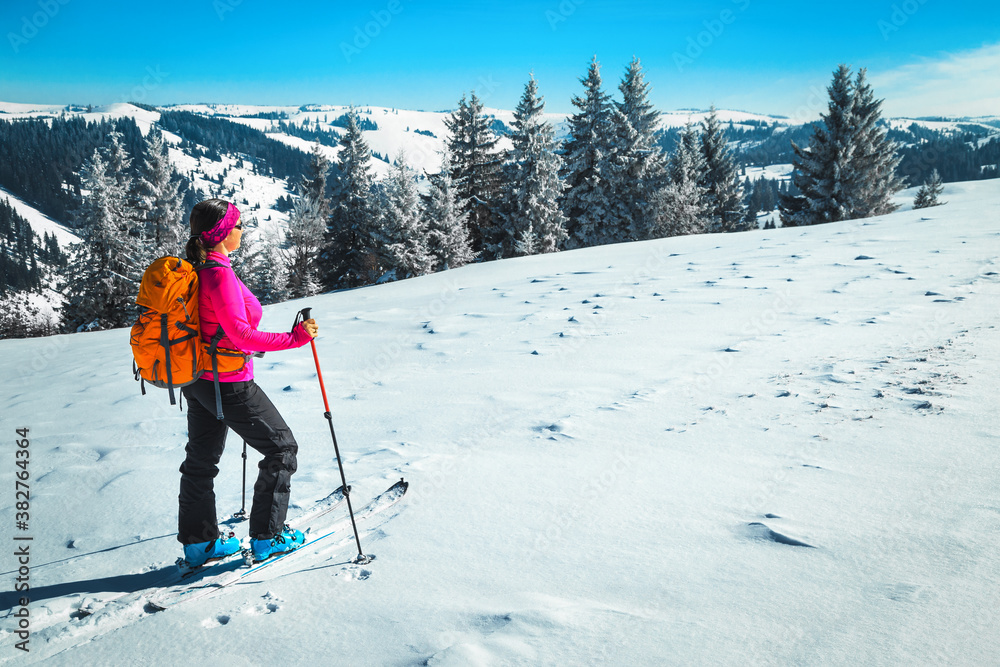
<point x="242" y="514"/>
<point x="362" y="558"/>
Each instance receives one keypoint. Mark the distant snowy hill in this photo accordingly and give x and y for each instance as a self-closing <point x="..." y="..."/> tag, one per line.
<point x="771" y="448"/>
<point x="420" y="135"/>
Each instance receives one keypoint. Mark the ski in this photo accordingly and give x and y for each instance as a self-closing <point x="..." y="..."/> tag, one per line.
<point x="233" y="570"/>
<point x="180" y="575"/>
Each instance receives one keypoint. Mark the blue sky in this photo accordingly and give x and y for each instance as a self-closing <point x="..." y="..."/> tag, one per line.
<point x="925" y="57"/>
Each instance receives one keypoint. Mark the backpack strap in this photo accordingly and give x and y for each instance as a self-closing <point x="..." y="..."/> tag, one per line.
<point x="165" y="342"/>
<point x="138" y="377"/>
<point x="213" y="351"/>
<point x="209" y="264"/>
<point x="214" y="344"/>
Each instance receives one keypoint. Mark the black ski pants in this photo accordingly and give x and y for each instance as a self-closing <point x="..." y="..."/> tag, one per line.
<point x="250" y="413"/>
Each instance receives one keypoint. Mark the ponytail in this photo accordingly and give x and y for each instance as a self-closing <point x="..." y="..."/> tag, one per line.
<point x="195" y="250"/>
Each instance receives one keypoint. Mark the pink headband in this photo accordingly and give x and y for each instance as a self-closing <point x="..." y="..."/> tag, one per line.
<point x="215" y="235"/>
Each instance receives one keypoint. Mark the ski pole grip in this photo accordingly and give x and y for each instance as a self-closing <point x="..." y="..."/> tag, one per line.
<point x="301" y="316"/>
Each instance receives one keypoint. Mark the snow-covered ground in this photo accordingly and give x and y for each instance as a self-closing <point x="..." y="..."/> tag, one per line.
<point x="740" y="118"/>
<point x="774" y="172"/>
<point x="775" y="447"/>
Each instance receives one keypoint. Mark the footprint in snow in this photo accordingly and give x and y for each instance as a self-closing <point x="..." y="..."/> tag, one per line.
<point x="268" y="607"/>
<point x="913" y="593"/>
<point x="217" y="621"/>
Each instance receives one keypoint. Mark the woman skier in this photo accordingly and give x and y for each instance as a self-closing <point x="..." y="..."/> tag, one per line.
<point x="224" y="301"/>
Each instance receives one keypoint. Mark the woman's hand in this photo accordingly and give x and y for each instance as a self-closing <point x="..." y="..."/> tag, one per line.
<point x="311" y="327"/>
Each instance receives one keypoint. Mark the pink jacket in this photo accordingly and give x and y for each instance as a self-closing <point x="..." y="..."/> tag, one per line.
<point x="223" y="300"/>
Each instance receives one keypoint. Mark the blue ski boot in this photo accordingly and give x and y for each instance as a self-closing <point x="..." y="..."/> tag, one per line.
<point x="196" y="555"/>
<point x="288" y="540"/>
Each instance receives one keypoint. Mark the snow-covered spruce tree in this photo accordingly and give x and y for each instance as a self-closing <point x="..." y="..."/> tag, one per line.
<point x="306" y="229"/>
<point x="160" y="198"/>
<point x="875" y="158"/>
<point x="300" y="252"/>
<point x="313" y="184"/>
<point x="724" y="192"/>
<point x="929" y="192"/>
<point x="406" y="252"/>
<point x="849" y="169"/>
<point x="527" y="243"/>
<point x="103" y="275"/>
<point x="350" y="258"/>
<point x="588" y="198"/>
<point x="823" y="169"/>
<point x="447" y="234"/>
<point x="681" y="206"/>
<point x="532" y="189"/>
<point x="20" y="317"/>
<point x="475" y="172"/>
<point x="639" y="165"/>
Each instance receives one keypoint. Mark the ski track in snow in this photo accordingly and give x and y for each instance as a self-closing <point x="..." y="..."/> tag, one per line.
<point x="770" y="448"/>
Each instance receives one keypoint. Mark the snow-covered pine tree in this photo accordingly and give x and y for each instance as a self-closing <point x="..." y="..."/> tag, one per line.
<point x="875" y="156"/>
<point x="929" y="192"/>
<point x="639" y="163"/>
<point x="588" y="198"/>
<point x="21" y="317"/>
<point x="531" y="194"/>
<point x="447" y="234"/>
<point x="406" y="252"/>
<point x="120" y="165"/>
<point x="301" y="250"/>
<point x="350" y="258"/>
<point x="475" y="171"/>
<point x="160" y="198"/>
<point x="314" y="182"/>
<point x="722" y="179"/>
<point x="681" y="206"/>
<point x="527" y="243"/>
<point x="306" y="229"/>
<point x="849" y="169"/>
<point x="103" y="275"/>
<point x="823" y="169"/>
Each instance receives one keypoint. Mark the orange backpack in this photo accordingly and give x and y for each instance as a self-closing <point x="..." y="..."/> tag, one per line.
<point x="167" y="348"/>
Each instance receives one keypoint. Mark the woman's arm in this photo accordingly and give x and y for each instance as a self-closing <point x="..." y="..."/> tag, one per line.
<point x="226" y="295"/>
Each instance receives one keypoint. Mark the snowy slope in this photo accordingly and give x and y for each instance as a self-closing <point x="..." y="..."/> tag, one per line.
<point x="40" y="223"/>
<point x="143" y="118"/>
<point x="951" y="125"/>
<point x="612" y="453"/>
<point x="738" y="118"/>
